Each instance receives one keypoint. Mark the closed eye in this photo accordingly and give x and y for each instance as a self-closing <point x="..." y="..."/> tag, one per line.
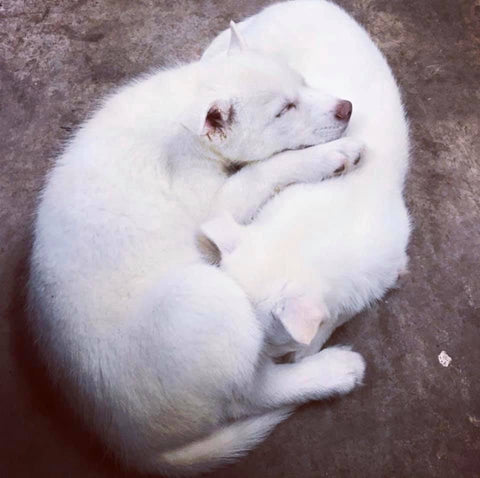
<point x="289" y="106"/>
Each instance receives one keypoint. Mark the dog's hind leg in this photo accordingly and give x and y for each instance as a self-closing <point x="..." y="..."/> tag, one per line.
<point x="335" y="370"/>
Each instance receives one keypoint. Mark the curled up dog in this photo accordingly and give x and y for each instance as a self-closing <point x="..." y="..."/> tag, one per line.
<point x="163" y="352"/>
<point x="323" y="252"/>
<point x="167" y="357"/>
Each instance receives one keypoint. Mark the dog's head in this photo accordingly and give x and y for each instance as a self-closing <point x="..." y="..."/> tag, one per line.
<point x="290" y="313"/>
<point x="257" y="106"/>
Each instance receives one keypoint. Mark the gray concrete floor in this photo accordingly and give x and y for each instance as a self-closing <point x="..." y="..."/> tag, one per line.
<point x="413" y="417"/>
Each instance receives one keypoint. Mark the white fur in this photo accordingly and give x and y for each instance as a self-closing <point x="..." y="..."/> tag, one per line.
<point x="341" y="244"/>
<point x="161" y="352"/>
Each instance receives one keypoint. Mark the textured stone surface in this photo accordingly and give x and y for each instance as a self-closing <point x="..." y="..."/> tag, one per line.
<point x="413" y="417"/>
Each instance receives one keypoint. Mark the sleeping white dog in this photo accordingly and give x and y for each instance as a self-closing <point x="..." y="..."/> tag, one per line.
<point x="318" y="254"/>
<point x="162" y="353"/>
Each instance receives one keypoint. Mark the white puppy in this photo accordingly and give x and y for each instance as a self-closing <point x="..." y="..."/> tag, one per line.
<point x="318" y="254"/>
<point x="161" y="352"/>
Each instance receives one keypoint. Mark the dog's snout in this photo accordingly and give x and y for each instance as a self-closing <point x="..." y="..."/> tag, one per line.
<point x="343" y="111"/>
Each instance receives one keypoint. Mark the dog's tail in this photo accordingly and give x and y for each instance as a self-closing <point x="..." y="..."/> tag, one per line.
<point x="223" y="446"/>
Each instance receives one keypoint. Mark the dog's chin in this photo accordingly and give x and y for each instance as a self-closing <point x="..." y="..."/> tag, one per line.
<point x="299" y="147"/>
<point x="332" y="135"/>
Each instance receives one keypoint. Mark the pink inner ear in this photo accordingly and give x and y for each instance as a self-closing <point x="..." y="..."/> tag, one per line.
<point x="220" y="116"/>
<point x="301" y="318"/>
<point x="214" y="119"/>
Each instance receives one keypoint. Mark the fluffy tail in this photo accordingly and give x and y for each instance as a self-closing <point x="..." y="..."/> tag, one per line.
<point x="223" y="446"/>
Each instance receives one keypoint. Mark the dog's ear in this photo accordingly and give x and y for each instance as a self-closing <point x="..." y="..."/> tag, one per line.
<point x="300" y="316"/>
<point x="213" y="121"/>
<point x="223" y="231"/>
<point x="237" y="43"/>
<point x="218" y="118"/>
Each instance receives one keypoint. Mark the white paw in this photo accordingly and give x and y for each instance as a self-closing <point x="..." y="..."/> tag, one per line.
<point x="346" y="154"/>
<point x="340" y="368"/>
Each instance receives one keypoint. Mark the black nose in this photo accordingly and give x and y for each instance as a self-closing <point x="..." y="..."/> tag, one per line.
<point x="343" y="111"/>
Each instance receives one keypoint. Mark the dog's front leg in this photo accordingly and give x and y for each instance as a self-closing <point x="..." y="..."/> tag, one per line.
<point x="249" y="189"/>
